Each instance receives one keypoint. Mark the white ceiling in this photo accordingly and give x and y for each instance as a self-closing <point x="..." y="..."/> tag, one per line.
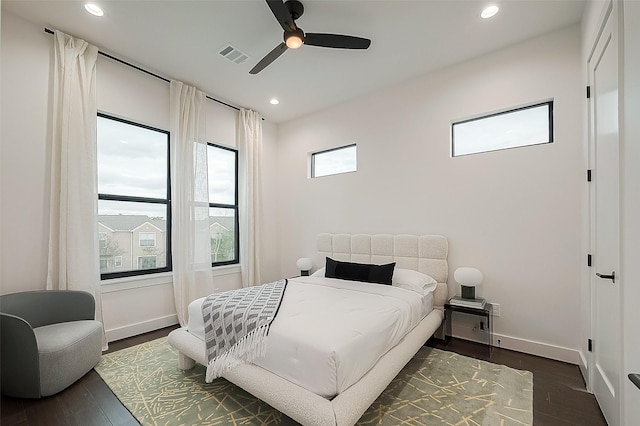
<point x="181" y="40"/>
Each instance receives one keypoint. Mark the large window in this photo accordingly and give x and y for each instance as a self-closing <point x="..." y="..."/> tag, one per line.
<point x="223" y="204"/>
<point x="134" y="198"/>
<point x="529" y="125"/>
<point x="334" y="161"/>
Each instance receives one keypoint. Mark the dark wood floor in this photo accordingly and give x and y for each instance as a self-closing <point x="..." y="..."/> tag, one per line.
<point x="559" y="392"/>
<point x="559" y="395"/>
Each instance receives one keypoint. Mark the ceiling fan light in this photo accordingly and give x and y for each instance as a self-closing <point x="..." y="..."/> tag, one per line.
<point x="293" y="41"/>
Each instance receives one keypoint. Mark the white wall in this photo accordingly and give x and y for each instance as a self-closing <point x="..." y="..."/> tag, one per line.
<point x="130" y="306"/>
<point x="25" y="167"/>
<point x="514" y="214"/>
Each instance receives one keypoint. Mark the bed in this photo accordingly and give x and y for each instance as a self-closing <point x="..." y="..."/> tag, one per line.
<point x="345" y="402"/>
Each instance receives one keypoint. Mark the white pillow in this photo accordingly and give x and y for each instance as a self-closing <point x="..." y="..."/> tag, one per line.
<point x="413" y="280"/>
<point x="318" y="273"/>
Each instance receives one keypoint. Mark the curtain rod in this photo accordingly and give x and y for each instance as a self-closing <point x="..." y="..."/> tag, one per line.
<point x="48" y="31"/>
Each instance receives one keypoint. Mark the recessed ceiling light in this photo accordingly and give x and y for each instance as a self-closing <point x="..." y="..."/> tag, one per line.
<point x="274" y="101"/>
<point x="489" y="11"/>
<point x="93" y="9"/>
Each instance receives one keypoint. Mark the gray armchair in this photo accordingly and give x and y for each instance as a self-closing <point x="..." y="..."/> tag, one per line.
<point x="49" y="340"/>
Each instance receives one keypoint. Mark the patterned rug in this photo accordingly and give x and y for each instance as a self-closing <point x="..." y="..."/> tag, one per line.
<point x="435" y="388"/>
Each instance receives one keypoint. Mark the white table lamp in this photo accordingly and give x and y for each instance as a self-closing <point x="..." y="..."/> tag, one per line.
<point x="304" y="264"/>
<point x="469" y="279"/>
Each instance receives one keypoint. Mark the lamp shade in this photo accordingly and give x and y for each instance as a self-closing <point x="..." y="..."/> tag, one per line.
<point x="304" y="264"/>
<point x="468" y="277"/>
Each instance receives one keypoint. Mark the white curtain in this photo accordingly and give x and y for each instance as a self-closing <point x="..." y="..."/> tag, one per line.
<point x="249" y="144"/>
<point x="191" y="247"/>
<point x="73" y="262"/>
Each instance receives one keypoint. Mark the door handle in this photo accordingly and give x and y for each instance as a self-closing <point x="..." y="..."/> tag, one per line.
<point x="635" y="379"/>
<point x="611" y="277"/>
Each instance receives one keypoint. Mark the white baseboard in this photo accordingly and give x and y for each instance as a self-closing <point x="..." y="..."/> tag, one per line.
<point x="545" y="350"/>
<point x="140" y="328"/>
<point x="468" y="331"/>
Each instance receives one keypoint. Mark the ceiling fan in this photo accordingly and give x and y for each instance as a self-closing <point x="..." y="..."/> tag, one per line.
<point x="286" y="14"/>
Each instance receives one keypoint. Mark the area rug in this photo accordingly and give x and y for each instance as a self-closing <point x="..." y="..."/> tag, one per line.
<point x="435" y="388"/>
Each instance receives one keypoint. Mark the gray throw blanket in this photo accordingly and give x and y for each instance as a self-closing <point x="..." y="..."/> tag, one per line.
<point x="236" y="324"/>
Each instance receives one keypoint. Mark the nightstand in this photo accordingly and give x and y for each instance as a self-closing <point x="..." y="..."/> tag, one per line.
<point x="486" y="323"/>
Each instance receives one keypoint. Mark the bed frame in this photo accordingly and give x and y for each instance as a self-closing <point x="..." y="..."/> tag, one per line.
<point x="427" y="254"/>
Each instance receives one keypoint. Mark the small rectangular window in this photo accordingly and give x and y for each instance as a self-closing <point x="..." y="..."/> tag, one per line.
<point x="525" y="126"/>
<point x="334" y="161"/>
<point x="147" y="239"/>
<point x="118" y="261"/>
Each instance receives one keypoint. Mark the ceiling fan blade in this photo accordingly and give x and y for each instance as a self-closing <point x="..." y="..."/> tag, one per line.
<point x="336" y="41"/>
<point x="282" y="14"/>
<point x="271" y="56"/>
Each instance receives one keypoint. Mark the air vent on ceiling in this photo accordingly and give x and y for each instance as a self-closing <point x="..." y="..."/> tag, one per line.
<point x="234" y="54"/>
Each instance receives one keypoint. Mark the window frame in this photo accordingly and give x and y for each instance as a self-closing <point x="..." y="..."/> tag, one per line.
<point x="313" y="162"/>
<point x="135" y="199"/>
<point x="236" y="259"/>
<point x="549" y="103"/>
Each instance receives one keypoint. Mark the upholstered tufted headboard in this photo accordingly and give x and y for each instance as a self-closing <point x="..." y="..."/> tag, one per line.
<point x="425" y="253"/>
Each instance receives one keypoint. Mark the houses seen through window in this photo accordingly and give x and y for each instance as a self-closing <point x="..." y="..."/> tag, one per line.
<point x="147" y="239"/>
<point x="134" y="205"/>
<point x="223" y="204"/>
<point x="147" y="262"/>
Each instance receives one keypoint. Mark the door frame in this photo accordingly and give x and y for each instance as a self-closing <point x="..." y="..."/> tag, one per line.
<point x="611" y="11"/>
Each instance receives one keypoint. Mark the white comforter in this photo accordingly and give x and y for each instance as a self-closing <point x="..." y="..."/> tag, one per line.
<point x="328" y="332"/>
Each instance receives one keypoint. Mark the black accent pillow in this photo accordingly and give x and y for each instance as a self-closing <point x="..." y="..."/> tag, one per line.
<point x="379" y="274"/>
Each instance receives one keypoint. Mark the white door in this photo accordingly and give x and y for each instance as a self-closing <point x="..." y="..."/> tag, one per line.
<point x="605" y="217"/>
